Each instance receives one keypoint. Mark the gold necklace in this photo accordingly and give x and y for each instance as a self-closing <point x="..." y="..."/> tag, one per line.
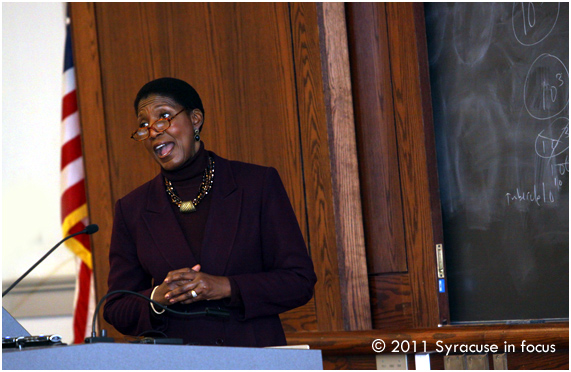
<point x="205" y="186"/>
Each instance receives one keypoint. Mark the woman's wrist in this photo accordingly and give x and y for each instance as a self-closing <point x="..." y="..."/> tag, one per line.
<point x="152" y="305"/>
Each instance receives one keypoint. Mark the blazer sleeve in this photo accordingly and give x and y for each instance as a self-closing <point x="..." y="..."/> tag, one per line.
<point x="129" y="314"/>
<point x="288" y="278"/>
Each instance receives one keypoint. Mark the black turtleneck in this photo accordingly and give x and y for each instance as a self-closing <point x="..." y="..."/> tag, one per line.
<point x="186" y="181"/>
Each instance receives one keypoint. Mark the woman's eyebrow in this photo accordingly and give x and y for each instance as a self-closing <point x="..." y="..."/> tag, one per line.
<point x="161" y="106"/>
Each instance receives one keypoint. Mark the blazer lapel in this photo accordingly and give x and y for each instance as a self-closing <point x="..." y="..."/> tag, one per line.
<point x="164" y="228"/>
<point x="223" y="218"/>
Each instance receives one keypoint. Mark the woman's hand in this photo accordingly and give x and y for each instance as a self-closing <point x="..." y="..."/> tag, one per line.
<point x="182" y="283"/>
<point x="164" y="287"/>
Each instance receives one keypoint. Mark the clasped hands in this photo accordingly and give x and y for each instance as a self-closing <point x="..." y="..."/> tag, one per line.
<point x="180" y="285"/>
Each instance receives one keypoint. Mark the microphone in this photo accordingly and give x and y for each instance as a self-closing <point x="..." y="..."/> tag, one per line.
<point x="91" y="229"/>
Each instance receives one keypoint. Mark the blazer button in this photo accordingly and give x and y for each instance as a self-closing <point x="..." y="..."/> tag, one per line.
<point x="219" y="342"/>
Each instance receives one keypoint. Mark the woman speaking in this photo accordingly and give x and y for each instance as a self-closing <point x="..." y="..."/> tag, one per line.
<point x="205" y="232"/>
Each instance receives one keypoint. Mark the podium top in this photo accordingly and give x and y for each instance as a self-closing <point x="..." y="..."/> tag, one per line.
<point x="145" y="357"/>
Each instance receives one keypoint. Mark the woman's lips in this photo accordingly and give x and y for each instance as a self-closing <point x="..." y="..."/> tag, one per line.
<point x="164" y="149"/>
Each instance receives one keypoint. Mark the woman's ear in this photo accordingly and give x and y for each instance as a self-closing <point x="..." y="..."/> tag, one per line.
<point x="197" y="118"/>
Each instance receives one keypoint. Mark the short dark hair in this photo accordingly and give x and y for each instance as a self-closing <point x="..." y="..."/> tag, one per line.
<point x="181" y="91"/>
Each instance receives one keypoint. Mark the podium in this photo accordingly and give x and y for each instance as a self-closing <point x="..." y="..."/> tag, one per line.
<point x="109" y="356"/>
<point x="10" y="326"/>
<point x="159" y="357"/>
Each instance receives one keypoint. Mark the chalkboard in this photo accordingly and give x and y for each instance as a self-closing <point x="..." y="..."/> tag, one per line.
<point x="500" y="91"/>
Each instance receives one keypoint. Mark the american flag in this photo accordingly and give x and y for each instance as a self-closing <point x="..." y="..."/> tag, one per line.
<point x="74" y="215"/>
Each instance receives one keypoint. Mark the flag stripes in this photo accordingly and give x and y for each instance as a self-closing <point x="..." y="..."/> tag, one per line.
<point x="70" y="127"/>
<point x="74" y="215"/>
<point x="69" y="105"/>
<point x="71" y="200"/>
<point x="70" y="152"/>
<point x="72" y="174"/>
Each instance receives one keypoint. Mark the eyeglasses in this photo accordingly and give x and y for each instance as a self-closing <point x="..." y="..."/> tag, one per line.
<point x="159" y="126"/>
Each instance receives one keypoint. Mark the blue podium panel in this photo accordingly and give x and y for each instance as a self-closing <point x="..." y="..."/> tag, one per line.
<point x="144" y="357"/>
<point x="11" y="327"/>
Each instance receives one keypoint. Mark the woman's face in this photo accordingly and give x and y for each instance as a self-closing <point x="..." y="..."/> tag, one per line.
<point x="173" y="147"/>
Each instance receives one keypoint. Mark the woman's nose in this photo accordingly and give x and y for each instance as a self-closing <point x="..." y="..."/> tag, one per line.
<point x="153" y="133"/>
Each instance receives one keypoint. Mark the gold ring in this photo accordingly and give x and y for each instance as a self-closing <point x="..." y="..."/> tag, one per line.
<point x="194" y="294"/>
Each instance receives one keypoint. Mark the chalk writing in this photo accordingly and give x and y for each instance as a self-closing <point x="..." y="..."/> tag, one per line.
<point x="546" y="92"/>
<point x="554" y="140"/>
<point x="560" y="168"/>
<point x="538" y="197"/>
<point x="525" y="18"/>
<point x="545" y="96"/>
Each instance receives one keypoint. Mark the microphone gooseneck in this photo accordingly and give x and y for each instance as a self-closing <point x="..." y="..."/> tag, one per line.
<point x="88" y="230"/>
<point x="218" y="313"/>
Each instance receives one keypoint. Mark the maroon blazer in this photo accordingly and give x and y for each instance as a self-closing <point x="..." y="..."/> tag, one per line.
<point x="252" y="235"/>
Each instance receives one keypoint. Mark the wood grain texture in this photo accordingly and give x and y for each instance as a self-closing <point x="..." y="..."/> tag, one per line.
<point x="430" y="146"/>
<point x="316" y="164"/>
<point x="417" y="211"/>
<point x="344" y="167"/>
<point x="237" y="56"/>
<point x="240" y="59"/>
<point x="301" y="319"/>
<point x="558" y="360"/>
<point x="359" y="342"/>
<point x="94" y="134"/>
<point x="376" y="137"/>
<point x="391" y="301"/>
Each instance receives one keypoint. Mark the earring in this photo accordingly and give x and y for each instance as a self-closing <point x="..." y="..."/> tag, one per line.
<point x="196" y="135"/>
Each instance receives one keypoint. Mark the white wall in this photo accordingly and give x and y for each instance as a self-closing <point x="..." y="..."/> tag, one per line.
<point x="33" y="36"/>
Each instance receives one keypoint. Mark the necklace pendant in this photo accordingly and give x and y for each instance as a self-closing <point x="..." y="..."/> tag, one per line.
<point x="190" y="206"/>
<point x="187" y="207"/>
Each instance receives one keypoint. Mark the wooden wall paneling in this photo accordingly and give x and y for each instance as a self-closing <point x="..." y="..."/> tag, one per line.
<point x="127" y="63"/>
<point x="94" y="133"/>
<point x="240" y="59"/>
<point x="316" y="165"/>
<point x="408" y="106"/>
<point x="376" y="137"/>
<point x="301" y="319"/>
<point x="391" y="301"/>
<point x="344" y="167"/>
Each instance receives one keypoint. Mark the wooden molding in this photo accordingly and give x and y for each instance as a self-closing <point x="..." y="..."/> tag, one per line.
<point x="360" y="342"/>
<point x="95" y="152"/>
<point x="344" y="167"/>
<point x="430" y="147"/>
<point x="414" y="174"/>
<point x="316" y="165"/>
<point x="376" y="138"/>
